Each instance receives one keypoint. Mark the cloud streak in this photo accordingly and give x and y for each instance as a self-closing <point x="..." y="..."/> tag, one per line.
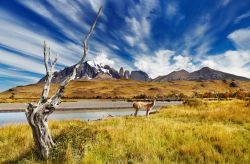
<point x="151" y="35"/>
<point x="242" y="17"/>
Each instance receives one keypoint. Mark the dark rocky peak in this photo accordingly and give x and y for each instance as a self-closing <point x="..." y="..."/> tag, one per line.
<point x="91" y="70"/>
<point x="121" y="72"/>
<point x="126" y="74"/>
<point x="139" y="75"/>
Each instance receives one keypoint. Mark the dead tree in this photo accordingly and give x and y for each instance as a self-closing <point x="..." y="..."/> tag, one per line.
<point x="37" y="114"/>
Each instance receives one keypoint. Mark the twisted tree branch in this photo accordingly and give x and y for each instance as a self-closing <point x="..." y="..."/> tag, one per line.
<point x="56" y="99"/>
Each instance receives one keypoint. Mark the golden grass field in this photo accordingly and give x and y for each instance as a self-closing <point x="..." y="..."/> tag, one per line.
<point x="122" y="89"/>
<point x="213" y="132"/>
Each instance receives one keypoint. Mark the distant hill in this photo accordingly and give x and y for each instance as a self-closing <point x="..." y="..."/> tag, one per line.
<point x="204" y="73"/>
<point x="175" y="75"/>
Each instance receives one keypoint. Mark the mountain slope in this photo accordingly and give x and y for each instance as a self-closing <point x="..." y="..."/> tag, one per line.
<point x="92" y="70"/>
<point x="176" y="75"/>
<point x="88" y="69"/>
<point x="139" y="76"/>
<point x="204" y="73"/>
<point x="207" y="73"/>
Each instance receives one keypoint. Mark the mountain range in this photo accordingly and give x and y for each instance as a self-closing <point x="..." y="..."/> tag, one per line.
<point x="204" y="73"/>
<point x="93" y="70"/>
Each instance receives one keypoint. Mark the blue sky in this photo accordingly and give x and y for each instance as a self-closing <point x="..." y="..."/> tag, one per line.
<point x="156" y="36"/>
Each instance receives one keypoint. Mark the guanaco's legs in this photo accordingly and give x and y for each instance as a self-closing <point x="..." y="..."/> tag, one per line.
<point x="147" y="112"/>
<point x="136" y="111"/>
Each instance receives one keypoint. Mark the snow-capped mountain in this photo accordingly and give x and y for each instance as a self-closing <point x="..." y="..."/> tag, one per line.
<point x="89" y="69"/>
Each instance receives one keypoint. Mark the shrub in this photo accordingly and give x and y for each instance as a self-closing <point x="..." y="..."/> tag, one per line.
<point x="98" y="97"/>
<point x="204" y="85"/>
<point x="12" y="96"/>
<point x="240" y="95"/>
<point x="224" y="81"/>
<point x="208" y="95"/>
<point x="223" y="95"/>
<point x="194" y="102"/>
<point x="233" y="84"/>
<point x="141" y="96"/>
<point x="182" y="96"/>
<point x="196" y="95"/>
<point x="248" y="103"/>
<point x="247" y="99"/>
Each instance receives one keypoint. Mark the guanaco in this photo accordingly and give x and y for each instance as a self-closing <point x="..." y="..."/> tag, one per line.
<point x="146" y="105"/>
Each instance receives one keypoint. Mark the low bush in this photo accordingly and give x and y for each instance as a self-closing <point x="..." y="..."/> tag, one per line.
<point x="194" y="102"/>
<point x="141" y="96"/>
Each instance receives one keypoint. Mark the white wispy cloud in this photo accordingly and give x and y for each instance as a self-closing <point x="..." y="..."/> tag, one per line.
<point x="139" y="25"/>
<point x="24" y="38"/>
<point x="39" y="8"/>
<point x="241" y="38"/>
<point x="236" y="61"/>
<point x="225" y="2"/>
<point x="241" y="17"/>
<point x="114" y="46"/>
<point x="139" y="29"/>
<point x="107" y="56"/>
<point x="196" y="37"/>
<point x="15" y="74"/>
<point x="130" y="40"/>
<point x="103" y="59"/>
<point x="163" y="62"/>
<point x="171" y="9"/>
<point x="96" y="4"/>
<point x="183" y="62"/>
<point x="231" y="62"/>
<point x="73" y="13"/>
<point x="21" y="62"/>
<point x="16" y="36"/>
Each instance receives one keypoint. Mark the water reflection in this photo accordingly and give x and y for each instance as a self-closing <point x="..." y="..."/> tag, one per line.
<point x="19" y="117"/>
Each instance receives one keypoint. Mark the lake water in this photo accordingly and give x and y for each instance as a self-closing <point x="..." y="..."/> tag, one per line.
<point x="19" y="117"/>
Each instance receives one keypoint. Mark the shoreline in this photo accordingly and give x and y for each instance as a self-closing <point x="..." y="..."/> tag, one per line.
<point x="83" y="105"/>
<point x="68" y="109"/>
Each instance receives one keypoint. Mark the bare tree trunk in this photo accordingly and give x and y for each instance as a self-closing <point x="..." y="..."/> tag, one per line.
<point x="37" y="114"/>
<point x="38" y="122"/>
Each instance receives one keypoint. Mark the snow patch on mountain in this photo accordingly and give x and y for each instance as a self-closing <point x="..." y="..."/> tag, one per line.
<point x="98" y="66"/>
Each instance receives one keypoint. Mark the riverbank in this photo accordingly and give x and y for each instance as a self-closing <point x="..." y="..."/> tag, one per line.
<point x="83" y="105"/>
<point x="215" y="132"/>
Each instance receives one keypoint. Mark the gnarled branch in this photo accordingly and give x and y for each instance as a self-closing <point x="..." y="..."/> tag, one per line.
<point x="49" y="66"/>
<point x="56" y="99"/>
